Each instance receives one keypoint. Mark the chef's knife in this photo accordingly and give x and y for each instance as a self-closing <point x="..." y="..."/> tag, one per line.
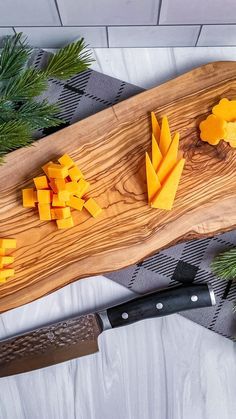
<point x="78" y="336"/>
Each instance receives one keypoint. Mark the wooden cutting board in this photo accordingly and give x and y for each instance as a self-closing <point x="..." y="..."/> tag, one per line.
<point x="110" y="147"/>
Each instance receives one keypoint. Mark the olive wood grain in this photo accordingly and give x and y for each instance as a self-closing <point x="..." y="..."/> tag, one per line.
<point x="110" y="147"/>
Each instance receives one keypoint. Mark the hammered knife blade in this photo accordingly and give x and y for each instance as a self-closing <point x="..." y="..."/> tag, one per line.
<point x="78" y="336"/>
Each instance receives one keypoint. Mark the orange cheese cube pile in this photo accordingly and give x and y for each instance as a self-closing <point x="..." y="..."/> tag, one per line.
<point x="65" y="223"/>
<point x="5" y="261"/>
<point x="221" y="124"/>
<point x="41" y="182"/>
<point x="60" y="190"/>
<point x="164" y="169"/>
<point x="92" y="207"/>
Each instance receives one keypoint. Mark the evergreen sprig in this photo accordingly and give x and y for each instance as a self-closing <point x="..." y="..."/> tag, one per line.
<point x="21" y="111"/>
<point x="35" y="114"/>
<point x="40" y="114"/>
<point x="25" y="86"/>
<point x="14" y="56"/>
<point x="224" y="265"/>
<point x="70" y="60"/>
<point x="12" y="133"/>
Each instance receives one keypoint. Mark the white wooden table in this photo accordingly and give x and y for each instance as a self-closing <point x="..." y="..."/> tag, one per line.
<point x="166" y="368"/>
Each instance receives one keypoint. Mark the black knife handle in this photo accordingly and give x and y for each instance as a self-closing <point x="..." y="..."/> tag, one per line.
<point x="161" y="303"/>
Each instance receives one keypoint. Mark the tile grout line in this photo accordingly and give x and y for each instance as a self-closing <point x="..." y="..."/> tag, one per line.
<point x="58" y="12"/>
<point x="107" y="36"/>
<point x="119" y="26"/>
<point x="159" y="13"/>
<point x="199" y="33"/>
<point x="14" y="28"/>
<point x="169" y="46"/>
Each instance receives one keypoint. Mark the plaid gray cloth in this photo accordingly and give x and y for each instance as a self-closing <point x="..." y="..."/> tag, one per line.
<point x="90" y="92"/>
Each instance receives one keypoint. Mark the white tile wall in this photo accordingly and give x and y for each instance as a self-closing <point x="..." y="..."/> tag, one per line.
<point x="152" y="36"/>
<point x="57" y="37"/>
<point x="28" y="13"/>
<point x="109" y="12"/>
<point x="217" y="35"/>
<point x="197" y="11"/>
<point x="122" y="23"/>
<point x="4" y="32"/>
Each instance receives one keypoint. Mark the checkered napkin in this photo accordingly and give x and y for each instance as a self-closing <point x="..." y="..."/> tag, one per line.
<point x="90" y="92"/>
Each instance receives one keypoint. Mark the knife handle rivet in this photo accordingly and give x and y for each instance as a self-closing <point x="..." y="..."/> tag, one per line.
<point x="194" y="298"/>
<point x="159" y="306"/>
<point x="124" y="316"/>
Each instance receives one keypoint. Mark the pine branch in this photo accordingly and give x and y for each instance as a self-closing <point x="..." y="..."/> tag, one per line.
<point x="224" y="265"/>
<point x="70" y="60"/>
<point x="13" y="57"/>
<point x="25" y="86"/>
<point x="7" y="111"/>
<point x="20" y="115"/>
<point x="36" y="114"/>
<point x="13" y="135"/>
<point x="40" y="114"/>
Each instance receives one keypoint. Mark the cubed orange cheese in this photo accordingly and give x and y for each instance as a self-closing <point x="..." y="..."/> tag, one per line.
<point x="8" y="243"/>
<point x="92" y="207"/>
<point x="35" y="196"/>
<point x="57" y="171"/>
<point x="75" y="173"/>
<point x="56" y="202"/>
<point x="2" y="251"/>
<point x="44" y="212"/>
<point x="41" y="182"/>
<point x="45" y="168"/>
<point x="72" y="187"/>
<point x="60" y="184"/>
<point x="53" y="215"/>
<point x="28" y="196"/>
<point x="5" y="273"/>
<point x="76" y="203"/>
<point x="64" y="195"/>
<point x="62" y="213"/>
<point x="83" y="188"/>
<point x="66" y="223"/>
<point x="52" y="185"/>
<point x="6" y="260"/>
<point x="66" y="161"/>
<point x="44" y="196"/>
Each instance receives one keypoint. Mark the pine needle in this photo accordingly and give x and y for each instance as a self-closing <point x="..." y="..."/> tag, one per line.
<point x="70" y="60"/>
<point x="13" y="135"/>
<point x="40" y="114"/>
<point x="30" y="83"/>
<point x="13" y="57"/>
<point x="224" y="265"/>
<point x="6" y="111"/>
<point x="36" y="114"/>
